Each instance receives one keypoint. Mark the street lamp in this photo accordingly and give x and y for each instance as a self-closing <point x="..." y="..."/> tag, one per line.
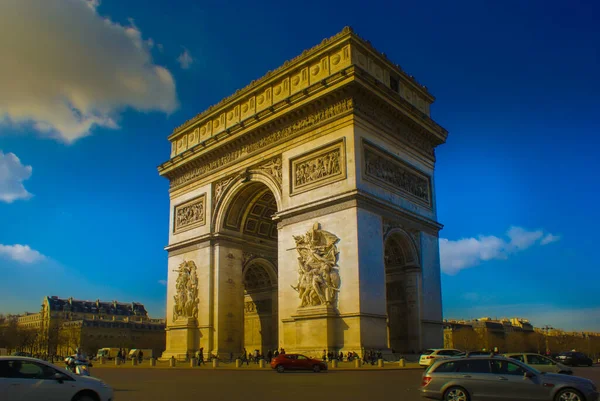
<point x="547" y="328"/>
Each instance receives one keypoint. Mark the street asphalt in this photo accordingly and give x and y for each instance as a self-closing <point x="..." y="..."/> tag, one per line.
<point x="157" y="384"/>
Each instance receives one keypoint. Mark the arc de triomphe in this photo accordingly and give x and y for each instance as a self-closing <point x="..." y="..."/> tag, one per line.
<point x="303" y="212"/>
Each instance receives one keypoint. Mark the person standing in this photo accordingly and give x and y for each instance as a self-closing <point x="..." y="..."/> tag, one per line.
<point x="269" y="356"/>
<point x="201" y="356"/>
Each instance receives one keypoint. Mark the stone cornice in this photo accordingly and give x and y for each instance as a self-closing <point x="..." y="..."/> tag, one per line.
<point x="315" y="114"/>
<point x="351" y="199"/>
<point x="294" y="77"/>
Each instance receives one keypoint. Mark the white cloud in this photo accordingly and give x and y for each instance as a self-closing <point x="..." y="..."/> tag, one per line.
<point x="549" y="238"/>
<point x="185" y="59"/>
<point x="21" y="253"/>
<point x="162" y="282"/>
<point x="468" y="252"/>
<point x="12" y="175"/>
<point x="67" y="69"/>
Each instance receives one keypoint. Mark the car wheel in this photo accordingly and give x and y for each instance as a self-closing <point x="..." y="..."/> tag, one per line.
<point x="316" y="368"/>
<point x="568" y="394"/>
<point x="280" y="369"/>
<point x="456" y="394"/>
<point x="85" y="398"/>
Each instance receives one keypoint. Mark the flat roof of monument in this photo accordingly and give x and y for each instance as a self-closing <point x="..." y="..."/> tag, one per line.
<point x="345" y="34"/>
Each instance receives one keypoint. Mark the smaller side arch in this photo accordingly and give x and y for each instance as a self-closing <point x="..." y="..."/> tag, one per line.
<point x="400" y="249"/>
<point x="267" y="265"/>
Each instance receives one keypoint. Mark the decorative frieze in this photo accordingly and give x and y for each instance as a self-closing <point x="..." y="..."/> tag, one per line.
<point x="318" y="168"/>
<point x="392" y="121"/>
<point x="389" y="171"/>
<point x="268" y="139"/>
<point x="190" y="214"/>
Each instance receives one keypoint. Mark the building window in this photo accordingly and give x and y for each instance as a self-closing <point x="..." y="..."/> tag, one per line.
<point x="394" y="84"/>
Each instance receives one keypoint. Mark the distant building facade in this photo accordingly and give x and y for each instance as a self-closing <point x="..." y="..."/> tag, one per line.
<point x="516" y="335"/>
<point x="62" y="325"/>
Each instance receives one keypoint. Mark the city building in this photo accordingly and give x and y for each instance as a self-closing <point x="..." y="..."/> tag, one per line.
<point x="62" y="325"/>
<point x="516" y="335"/>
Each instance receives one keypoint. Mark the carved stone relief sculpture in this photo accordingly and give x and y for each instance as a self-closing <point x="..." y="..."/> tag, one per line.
<point x="273" y="168"/>
<point x="392" y="172"/>
<point x="318" y="168"/>
<point x="190" y="214"/>
<point x="318" y="275"/>
<point x="186" y="292"/>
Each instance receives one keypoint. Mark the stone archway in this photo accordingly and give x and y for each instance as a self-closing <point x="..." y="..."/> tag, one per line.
<point x="260" y="305"/>
<point x="403" y="289"/>
<point x="246" y="226"/>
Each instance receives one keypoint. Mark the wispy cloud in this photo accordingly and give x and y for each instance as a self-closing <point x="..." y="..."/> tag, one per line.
<point x="21" y="253"/>
<point x="162" y="282"/>
<point x="12" y="175"/>
<point x="468" y="252"/>
<point x="185" y="59"/>
<point x="84" y="72"/>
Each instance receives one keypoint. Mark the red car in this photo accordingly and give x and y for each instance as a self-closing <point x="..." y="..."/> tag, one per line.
<point x="285" y="362"/>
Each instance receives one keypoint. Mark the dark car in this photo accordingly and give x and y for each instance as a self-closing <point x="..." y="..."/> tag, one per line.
<point x="573" y="358"/>
<point x="497" y="378"/>
<point x="285" y="362"/>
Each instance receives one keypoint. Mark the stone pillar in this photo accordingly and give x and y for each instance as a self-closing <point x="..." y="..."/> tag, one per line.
<point x="262" y="364"/>
<point x="432" y="330"/>
<point x="380" y="363"/>
<point x="229" y="299"/>
<point x="152" y="362"/>
<point x="134" y="361"/>
<point x="116" y="361"/>
<point x="193" y="362"/>
<point x="238" y="363"/>
<point x="357" y="363"/>
<point x="402" y="363"/>
<point x="310" y="329"/>
<point x="215" y="363"/>
<point x="172" y="362"/>
<point x="334" y="364"/>
<point x="102" y="360"/>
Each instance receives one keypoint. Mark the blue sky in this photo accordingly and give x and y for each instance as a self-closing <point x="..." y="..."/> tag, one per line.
<point x="91" y="91"/>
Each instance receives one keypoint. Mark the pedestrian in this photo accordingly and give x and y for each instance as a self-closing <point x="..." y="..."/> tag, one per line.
<point x="341" y="356"/>
<point x="141" y="356"/>
<point x="256" y="356"/>
<point x="275" y="354"/>
<point x="324" y="356"/>
<point x="231" y="357"/>
<point x="201" y="356"/>
<point x="269" y="356"/>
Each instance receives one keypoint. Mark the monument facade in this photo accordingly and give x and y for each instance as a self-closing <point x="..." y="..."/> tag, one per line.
<point x="303" y="212"/>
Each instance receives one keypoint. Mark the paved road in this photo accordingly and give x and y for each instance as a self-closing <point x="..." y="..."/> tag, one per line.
<point x="194" y="384"/>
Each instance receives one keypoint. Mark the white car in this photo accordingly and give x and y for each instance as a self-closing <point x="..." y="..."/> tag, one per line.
<point x="430" y="355"/>
<point x="30" y="379"/>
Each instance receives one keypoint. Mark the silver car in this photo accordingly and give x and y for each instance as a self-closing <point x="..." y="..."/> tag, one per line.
<point x="500" y="379"/>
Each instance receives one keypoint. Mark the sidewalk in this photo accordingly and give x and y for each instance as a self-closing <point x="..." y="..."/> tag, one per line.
<point x="251" y="366"/>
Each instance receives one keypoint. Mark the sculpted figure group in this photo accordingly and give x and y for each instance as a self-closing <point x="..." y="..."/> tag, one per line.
<point x="318" y="277"/>
<point x="186" y="295"/>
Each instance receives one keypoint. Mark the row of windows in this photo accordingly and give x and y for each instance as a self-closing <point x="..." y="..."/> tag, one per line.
<point x="499" y="367"/>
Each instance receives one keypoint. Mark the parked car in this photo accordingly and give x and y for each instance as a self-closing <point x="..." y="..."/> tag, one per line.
<point x="430" y="355"/>
<point x="541" y="363"/>
<point x="285" y="362"/>
<point x="573" y="358"/>
<point x="30" y="379"/>
<point x="500" y="378"/>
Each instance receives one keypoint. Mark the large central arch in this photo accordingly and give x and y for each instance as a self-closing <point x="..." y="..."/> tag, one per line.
<point x="244" y="222"/>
